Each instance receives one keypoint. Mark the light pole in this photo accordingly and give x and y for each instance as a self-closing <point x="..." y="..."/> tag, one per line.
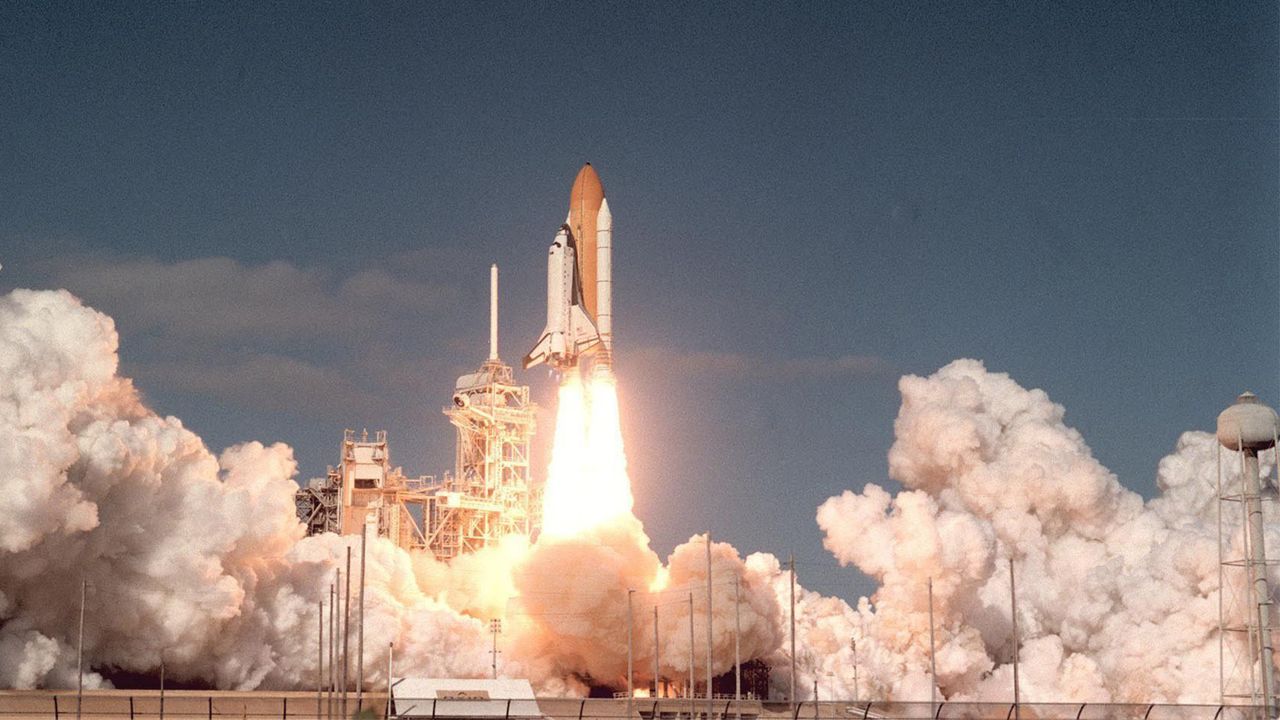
<point x="1013" y="608"/>
<point x="792" y="565"/>
<point x="320" y="661"/>
<point x="162" y="685"/>
<point x="933" y="664"/>
<point x="333" y="643"/>
<point x="853" y="645"/>
<point x="364" y="536"/>
<point x="631" y="688"/>
<point x="691" y="660"/>
<point x="80" y="652"/>
<point x="656" y="655"/>
<point x="391" y="649"/>
<point x="346" y="631"/>
<point x="495" y="628"/>
<point x="710" y="637"/>
<point x="737" y="643"/>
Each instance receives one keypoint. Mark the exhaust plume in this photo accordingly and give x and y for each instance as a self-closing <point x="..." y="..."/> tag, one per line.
<point x="200" y="559"/>
<point x="1117" y="596"/>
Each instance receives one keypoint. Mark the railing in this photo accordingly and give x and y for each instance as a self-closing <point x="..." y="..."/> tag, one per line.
<point x="178" y="705"/>
<point x="622" y="695"/>
<point x="213" y="705"/>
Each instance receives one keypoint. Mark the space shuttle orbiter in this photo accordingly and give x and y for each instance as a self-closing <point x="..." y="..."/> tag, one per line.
<point x="579" y="282"/>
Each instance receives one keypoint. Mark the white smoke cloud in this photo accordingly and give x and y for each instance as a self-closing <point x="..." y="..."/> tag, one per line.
<point x="199" y="559"/>
<point x="196" y="558"/>
<point x="1117" y="598"/>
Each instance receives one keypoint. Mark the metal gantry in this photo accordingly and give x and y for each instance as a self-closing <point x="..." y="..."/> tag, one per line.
<point x="489" y="496"/>
<point x="364" y="492"/>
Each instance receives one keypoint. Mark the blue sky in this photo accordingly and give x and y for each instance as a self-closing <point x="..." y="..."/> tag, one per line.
<point x="290" y="211"/>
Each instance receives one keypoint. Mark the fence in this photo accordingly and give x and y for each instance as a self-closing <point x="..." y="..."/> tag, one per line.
<point x="206" y="705"/>
<point x="175" y="705"/>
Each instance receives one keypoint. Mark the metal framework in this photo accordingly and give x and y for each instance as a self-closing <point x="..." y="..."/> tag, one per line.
<point x="489" y="495"/>
<point x="366" y="493"/>
<point x="1240" y="611"/>
<point x="318" y="507"/>
<point x="212" y="705"/>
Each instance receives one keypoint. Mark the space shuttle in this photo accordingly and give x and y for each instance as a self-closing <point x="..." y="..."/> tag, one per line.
<point x="579" y="282"/>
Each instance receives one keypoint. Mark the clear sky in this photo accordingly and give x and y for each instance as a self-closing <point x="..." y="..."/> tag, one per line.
<point x="290" y="209"/>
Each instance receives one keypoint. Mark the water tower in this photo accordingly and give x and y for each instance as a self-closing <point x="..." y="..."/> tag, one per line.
<point x="1244" y="615"/>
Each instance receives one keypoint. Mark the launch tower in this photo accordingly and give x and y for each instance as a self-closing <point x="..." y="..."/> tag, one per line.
<point x="489" y="495"/>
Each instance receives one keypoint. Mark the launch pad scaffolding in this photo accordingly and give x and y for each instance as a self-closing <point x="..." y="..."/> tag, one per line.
<point x="365" y="493"/>
<point x="488" y="496"/>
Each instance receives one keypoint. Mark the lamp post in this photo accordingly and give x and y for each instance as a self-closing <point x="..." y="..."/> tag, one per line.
<point x="80" y="651"/>
<point x="853" y="646"/>
<point x="631" y="688"/>
<point x="495" y="628"/>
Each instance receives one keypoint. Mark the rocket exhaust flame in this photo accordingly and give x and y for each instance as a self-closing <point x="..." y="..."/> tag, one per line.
<point x="587" y="484"/>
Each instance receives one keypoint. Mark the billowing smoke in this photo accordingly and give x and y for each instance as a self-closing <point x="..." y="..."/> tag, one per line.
<point x="199" y="560"/>
<point x="572" y="593"/>
<point x="188" y="556"/>
<point x="1117" y="597"/>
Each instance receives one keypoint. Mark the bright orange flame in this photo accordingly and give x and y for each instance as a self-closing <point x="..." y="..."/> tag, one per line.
<point x="587" y="482"/>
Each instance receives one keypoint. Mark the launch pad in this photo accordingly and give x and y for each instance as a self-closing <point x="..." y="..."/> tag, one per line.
<point x="489" y="494"/>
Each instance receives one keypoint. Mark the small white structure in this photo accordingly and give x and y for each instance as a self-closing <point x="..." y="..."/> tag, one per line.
<point x="445" y="699"/>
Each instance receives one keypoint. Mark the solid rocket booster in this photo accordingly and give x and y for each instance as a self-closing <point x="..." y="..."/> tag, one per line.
<point x="579" y="282"/>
